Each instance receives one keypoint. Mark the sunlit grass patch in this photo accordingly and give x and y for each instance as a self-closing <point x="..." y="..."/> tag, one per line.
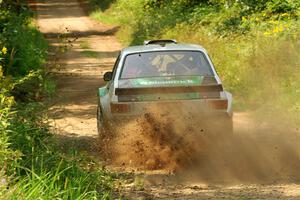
<point x="49" y="86"/>
<point x="91" y="54"/>
<point x="100" y="16"/>
<point x="85" y="45"/>
<point x="54" y="178"/>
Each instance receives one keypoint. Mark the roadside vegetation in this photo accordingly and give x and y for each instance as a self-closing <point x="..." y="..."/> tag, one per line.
<point x="254" y="44"/>
<point x="32" y="162"/>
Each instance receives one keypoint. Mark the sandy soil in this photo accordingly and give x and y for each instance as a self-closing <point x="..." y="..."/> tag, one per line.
<point x="261" y="161"/>
<point x="81" y="51"/>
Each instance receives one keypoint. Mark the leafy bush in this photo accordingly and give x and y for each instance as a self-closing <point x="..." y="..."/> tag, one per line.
<point x="25" y="46"/>
<point x="31" y="165"/>
<point x="151" y="18"/>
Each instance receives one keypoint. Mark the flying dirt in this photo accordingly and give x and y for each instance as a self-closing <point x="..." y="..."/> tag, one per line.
<point x="155" y="141"/>
<point x="256" y="152"/>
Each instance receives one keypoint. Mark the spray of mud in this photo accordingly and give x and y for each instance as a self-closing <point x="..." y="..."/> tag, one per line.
<point x="154" y="141"/>
<point x="174" y="140"/>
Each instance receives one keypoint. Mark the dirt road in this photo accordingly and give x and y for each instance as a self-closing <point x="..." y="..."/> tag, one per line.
<point x="253" y="166"/>
<point x="81" y="50"/>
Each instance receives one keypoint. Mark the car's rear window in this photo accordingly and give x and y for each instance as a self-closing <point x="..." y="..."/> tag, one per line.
<point x="166" y="63"/>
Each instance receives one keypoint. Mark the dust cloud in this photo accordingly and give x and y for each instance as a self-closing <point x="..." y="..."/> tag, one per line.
<point x="155" y="140"/>
<point x="178" y="141"/>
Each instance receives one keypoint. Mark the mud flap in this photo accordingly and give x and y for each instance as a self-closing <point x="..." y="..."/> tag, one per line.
<point x="102" y="128"/>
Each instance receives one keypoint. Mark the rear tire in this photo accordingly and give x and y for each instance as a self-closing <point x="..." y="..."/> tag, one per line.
<point x="100" y="123"/>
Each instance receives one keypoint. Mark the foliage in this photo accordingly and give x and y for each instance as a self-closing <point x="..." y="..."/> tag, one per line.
<point x="31" y="165"/>
<point x="25" y="46"/>
<point x="42" y="171"/>
<point x="34" y="167"/>
<point x="148" y="19"/>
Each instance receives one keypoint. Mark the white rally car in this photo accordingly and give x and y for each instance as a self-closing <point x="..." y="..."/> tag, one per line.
<point x="163" y="72"/>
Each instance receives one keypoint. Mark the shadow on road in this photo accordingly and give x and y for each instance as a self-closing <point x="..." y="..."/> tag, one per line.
<point x="79" y="34"/>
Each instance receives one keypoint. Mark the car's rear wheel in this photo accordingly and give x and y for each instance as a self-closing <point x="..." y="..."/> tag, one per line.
<point x="100" y="122"/>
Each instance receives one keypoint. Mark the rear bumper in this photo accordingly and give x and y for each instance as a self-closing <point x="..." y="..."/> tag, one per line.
<point x="201" y="120"/>
<point x="197" y="108"/>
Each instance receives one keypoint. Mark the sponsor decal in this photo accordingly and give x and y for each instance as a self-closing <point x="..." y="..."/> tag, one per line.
<point x="179" y="96"/>
<point x="165" y="82"/>
<point x="157" y="82"/>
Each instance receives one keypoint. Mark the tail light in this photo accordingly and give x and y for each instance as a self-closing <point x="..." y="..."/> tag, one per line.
<point x="119" y="108"/>
<point x="218" y="104"/>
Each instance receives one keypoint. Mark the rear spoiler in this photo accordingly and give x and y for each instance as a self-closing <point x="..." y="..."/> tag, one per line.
<point x="163" y="90"/>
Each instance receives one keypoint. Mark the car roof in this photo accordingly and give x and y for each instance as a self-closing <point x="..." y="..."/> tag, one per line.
<point x="164" y="47"/>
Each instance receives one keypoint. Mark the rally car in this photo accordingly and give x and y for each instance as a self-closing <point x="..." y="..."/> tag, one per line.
<point x="163" y="72"/>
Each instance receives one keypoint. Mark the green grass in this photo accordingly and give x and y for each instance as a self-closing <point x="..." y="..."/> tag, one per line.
<point x="32" y="164"/>
<point x="61" y="183"/>
<point x="36" y="167"/>
<point x="98" y="9"/>
<point x="85" y="45"/>
<point x="100" y="16"/>
<point x="49" y="86"/>
<point x="91" y="54"/>
<point x="62" y="180"/>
